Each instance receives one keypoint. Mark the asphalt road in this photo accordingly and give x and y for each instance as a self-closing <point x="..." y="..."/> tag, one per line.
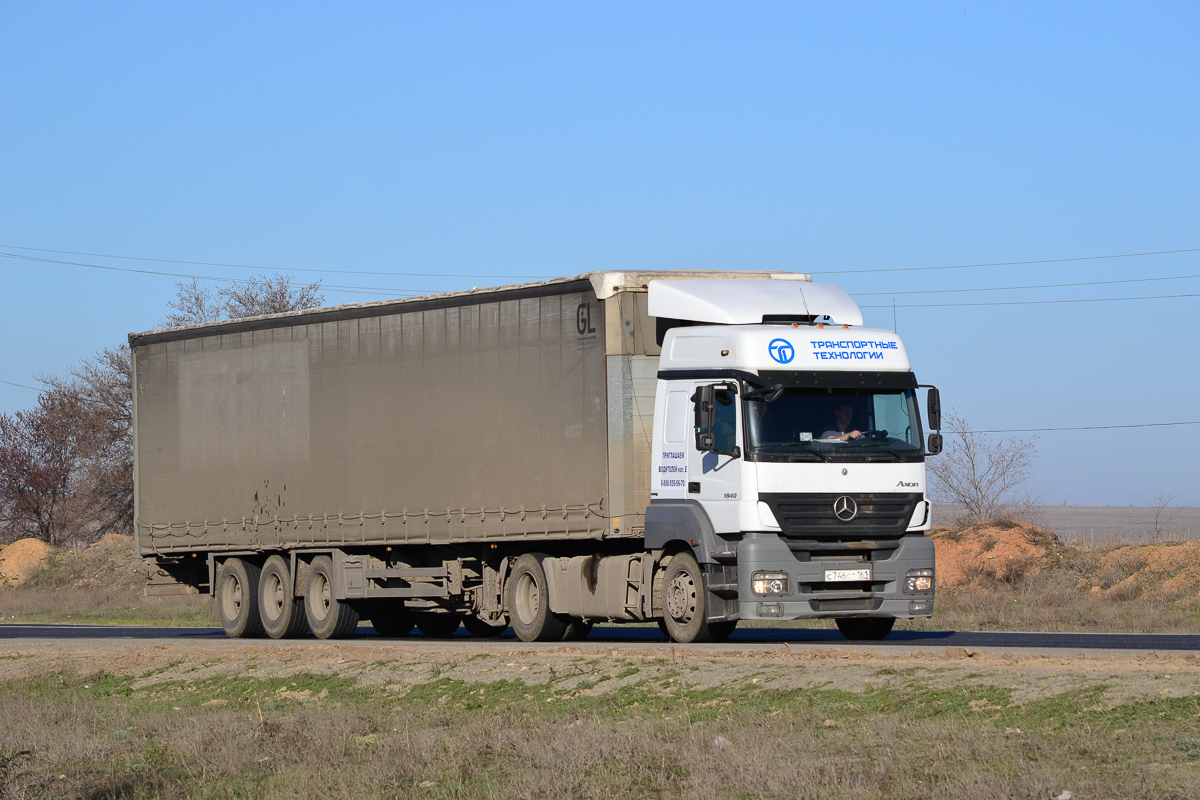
<point x="610" y="635"/>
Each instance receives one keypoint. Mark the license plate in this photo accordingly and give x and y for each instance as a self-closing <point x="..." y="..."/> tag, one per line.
<point x="842" y="575"/>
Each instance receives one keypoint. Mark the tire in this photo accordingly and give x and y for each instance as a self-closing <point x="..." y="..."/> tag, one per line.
<point x="865" y="629"/>
<point x="662" y="626"/>
<point x="237" y="599"/>
<point x="438" y="626"/>
<point x="684" y="601"/>
<point x="528" y="600"/>
<point x="482" y="630"/>
<point x="720" y="631"/>
<point x="390" y="619"/>
<point x="328" y="617"/>
<point x="577" y="630"/>
<point x="281" y="611"/>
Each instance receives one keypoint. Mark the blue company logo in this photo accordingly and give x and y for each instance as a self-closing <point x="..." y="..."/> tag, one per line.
<point x="781" y="350"/>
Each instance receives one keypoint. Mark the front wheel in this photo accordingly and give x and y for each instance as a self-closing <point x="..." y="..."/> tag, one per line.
<point x="684" y="603"/>
<point x="865" y="629"/>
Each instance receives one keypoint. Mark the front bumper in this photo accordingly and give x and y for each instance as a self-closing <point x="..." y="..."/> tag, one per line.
<point x="809" y="596"/>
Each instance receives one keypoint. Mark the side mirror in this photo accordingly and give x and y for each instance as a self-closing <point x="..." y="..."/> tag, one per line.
<point x="935" y="444"/>
<point x="933" y="406"/>
<point x="705" y="416"/>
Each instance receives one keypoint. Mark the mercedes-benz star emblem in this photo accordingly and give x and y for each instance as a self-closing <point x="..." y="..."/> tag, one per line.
<point x="845" y="509"/>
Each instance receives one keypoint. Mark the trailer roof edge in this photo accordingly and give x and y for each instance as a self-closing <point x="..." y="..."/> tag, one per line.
<point x="604" y="283"/>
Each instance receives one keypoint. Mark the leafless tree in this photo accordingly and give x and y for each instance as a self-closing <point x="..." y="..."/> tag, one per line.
<point x="981" y="475"/>
<point x="103" y="386"/>
<point x="260" y="294"/>
<point x="66" y="466"/>
<point x="192" y="305"/>
<point x="39" y="455"/>
<point x="1163" y="514"/>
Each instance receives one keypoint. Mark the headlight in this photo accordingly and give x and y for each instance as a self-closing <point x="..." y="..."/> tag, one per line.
<point x="918" y="580"/>
<point x="766" y="583"/>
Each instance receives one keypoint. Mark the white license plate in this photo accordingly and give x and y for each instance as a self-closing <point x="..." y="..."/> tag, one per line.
<point x="841" y="575"/>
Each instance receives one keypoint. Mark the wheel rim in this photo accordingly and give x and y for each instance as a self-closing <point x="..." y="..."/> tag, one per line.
<point x="681" y="598"/>
<point x="273" y="596"/>
<point x="321" y="595"/>
<point x="231" y="597"/>
<point x="527" y="599"/>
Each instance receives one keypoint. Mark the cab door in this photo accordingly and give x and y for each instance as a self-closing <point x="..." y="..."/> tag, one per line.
<point x="715" y="476"/>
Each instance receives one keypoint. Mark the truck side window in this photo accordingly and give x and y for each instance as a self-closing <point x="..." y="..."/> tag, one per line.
<point x="725" y="421"/>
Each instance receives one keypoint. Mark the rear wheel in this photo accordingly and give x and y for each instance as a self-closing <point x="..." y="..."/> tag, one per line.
<point x="328" y="617"/>
<point x="438" y="626"/>
<point x="237" y="599"/>
<point x="281" y="611"/>
<point x="483" y="630"/>
<point x="684" y="603"/>
<point x="861" y="629"/>
<point x="577" y="630"/>
<point x="528" y="600"/>
<point x="390" y="619"/>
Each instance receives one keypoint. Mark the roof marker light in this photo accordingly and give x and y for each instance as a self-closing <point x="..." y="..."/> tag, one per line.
<point x="820" y="324"/>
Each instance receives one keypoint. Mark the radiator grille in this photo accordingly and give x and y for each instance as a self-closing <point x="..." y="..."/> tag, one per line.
<point x="812" y="515"/>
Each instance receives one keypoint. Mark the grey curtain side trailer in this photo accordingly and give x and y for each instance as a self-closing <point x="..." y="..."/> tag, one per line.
<point x="405" y="461"/>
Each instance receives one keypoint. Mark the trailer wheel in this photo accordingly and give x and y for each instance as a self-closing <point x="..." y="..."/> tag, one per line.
<point x="328" y="617"/>
<point x="390" y="619"/>
<point x="577" y="630"/>
<point x="237" y="599"/>
<point x="482" y="630"/>
<point x="281" y="611"/>
<point x="684" y="605"/>
<point x="863" y="629"/>
<point x="528" y="601"/>
<point x="438" y="626"/>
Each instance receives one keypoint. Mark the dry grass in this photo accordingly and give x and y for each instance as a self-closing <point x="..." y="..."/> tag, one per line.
<point x="108" y="737"/>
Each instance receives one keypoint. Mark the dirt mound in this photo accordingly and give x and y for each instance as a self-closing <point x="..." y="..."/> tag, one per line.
<point x="110" y="563"/>
<point x="21" y="559"/>
<point x="999" y="551"/>
<point x="1167" y="571"/>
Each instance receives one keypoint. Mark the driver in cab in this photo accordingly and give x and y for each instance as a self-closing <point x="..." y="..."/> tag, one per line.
<point x="843" y="426"/>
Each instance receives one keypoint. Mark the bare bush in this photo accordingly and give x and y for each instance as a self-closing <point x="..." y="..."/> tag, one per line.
<point x="979" y="474"/>
<point x="261" y="294"/>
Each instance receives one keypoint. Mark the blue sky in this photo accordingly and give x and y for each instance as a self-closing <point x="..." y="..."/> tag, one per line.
<point x="547" y="139"/>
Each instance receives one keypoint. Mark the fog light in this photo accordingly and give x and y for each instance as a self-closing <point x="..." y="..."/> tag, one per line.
<point x="769" y="583"/>
<point x="770" y="609"/>
<point x="920" y="606"/>
<point x="918" y="580"/>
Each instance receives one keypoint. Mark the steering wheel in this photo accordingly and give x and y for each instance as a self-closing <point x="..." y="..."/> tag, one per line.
<point x="874" y="436"/>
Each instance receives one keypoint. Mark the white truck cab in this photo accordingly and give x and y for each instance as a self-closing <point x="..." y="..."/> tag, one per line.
<point x="788" y="453"/>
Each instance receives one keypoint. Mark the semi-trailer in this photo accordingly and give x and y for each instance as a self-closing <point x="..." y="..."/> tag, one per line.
<point x="687" y="448"/>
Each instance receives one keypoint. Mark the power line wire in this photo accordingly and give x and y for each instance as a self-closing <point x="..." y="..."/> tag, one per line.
<point x="1032" y="286"/>
<point x="1095" y="427"/>
<point x="21" y="385"/>
<point x="1015" y="263"/>
<point x="249" y="266"/>
<point x="1035" y="302"/>
<point x="379" y="290"/>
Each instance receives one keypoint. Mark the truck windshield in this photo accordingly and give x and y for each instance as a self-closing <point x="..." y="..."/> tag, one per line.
<point x="836" y="424"/>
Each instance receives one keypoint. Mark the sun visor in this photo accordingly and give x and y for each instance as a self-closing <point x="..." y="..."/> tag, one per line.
<point x="746" y="302"/>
